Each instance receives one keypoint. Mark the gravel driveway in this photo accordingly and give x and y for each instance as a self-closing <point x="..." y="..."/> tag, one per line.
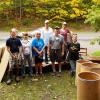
<point x="83" y="37"/>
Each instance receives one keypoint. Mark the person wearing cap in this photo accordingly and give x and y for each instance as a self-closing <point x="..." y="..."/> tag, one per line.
<point x="14" y="47"/>
<point x="37" y="52"/>
<point x="26" y="54"/>
<point x="64" y="31"/>
<point x="56" y="49"/>
<point x="46" y="32"/>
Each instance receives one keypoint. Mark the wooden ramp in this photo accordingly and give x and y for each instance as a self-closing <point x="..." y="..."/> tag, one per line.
<point x="4" y="63"/>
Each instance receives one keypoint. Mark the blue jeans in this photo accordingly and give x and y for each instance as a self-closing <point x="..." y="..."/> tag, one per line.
<point x="73" y="65"/>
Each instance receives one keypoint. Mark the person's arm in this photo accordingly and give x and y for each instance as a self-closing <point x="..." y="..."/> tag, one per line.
<point x="49" y="46"/>
<point x="62" y="46"/>
<point x="8" y="49"/>
<point x="20" y="49"/>
<point x="34" y="48"/>
<point x="70" y="34"/>
<point x="78" y="47"/>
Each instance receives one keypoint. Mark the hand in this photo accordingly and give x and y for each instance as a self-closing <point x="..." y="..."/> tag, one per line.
<point x="14" y="56"/>
<point x="62" y="53"/>
<point x="48" y="53"/>
<point x="40" y="53"/>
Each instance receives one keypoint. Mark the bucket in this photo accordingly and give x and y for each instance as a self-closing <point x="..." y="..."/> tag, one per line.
<point x="94" y="67"/>
<point x="88" y="86"/>
<point x="78" y="68"/>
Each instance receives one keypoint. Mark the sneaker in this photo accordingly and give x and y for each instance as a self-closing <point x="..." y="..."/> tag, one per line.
<point x="31" y="75"/>
<point x="41" y="74"/>
<point x="9" y="81"/>
<point x="36" y="74"/>
<point x="46" y="62"/>
<point x="23" y="76"/>
<point x="53" y="74"/>
<point x="17" y="79"/>
<point x="72" y="73"/>
<point x="59" y="74"/>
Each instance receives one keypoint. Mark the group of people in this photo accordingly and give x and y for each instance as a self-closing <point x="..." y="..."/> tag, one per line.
<point x="58" y="44"/>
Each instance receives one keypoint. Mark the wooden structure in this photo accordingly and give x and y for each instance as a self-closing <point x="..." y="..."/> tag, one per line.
<point x="4" y="57"/>
<point x="83" y="52"/>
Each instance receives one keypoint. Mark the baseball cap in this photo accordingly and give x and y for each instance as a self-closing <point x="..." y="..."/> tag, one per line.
<point x="64" y="23"/>
<point x="46" y="21"/>
<point x="57" y="27"/>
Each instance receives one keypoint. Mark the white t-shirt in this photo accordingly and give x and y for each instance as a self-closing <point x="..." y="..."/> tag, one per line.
<point x="26" y="47"/>
<point x="46" y="34"/>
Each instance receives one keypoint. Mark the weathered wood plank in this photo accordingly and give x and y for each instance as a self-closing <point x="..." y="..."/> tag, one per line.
<point x="4" y="63"/>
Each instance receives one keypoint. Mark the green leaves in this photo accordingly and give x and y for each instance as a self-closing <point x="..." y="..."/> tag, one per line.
<point x="55" y="10"/>
<point x="93" y="17"/>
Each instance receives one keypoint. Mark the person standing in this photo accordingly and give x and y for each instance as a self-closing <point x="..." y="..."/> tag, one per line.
<point x="64" y="31"/>
<point x="14" y="46"/>
<point x="37" y="52"/>
<point x="56" y="49"/>
<point x="46" y="32"/>
<point x="27" y="54"/>
<point x="73" y="49"/>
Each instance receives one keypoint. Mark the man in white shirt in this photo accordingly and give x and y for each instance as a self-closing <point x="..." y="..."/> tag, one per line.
<point x="46" y="33"/>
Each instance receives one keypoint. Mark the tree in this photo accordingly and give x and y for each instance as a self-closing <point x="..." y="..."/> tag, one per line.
<point x="93" y="16"/>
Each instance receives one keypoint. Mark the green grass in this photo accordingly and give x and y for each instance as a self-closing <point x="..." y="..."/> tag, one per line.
<point x="96" y="53"/>
<point x="73" y="26"/>
<point x="47" y="87"/>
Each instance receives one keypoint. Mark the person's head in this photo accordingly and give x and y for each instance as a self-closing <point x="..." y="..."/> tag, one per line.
<point x="25" y="35"/>
<point x="64" y="25"/>
<point x="38" y="34"/>
<point x="74" y="38"/>
<point x="13" y="32"/>
<point x="57" y="30"/>
<point x="46" y="23"/>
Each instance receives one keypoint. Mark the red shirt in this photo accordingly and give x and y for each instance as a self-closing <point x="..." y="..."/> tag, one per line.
<point x="64" y="32"/>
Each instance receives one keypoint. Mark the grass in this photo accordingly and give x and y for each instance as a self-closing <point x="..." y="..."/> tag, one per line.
<point x="73" y="26"/>
<point x="47" y="87"/>
<point x="96" y="53"/>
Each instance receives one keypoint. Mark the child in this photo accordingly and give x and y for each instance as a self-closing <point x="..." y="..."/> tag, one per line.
<point x="73" y="55"/>
<point x="26" y="48"/>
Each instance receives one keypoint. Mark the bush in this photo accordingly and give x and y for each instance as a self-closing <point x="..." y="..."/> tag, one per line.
<point x="93" y="17"/>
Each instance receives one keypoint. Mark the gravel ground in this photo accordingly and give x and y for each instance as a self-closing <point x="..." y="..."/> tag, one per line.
<point x="83" y="37"/>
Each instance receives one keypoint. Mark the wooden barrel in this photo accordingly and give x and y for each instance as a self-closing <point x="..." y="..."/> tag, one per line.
<point x="78" y="68"/>
<point x="94" y="67"/>
<point x="88" y="86"/>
